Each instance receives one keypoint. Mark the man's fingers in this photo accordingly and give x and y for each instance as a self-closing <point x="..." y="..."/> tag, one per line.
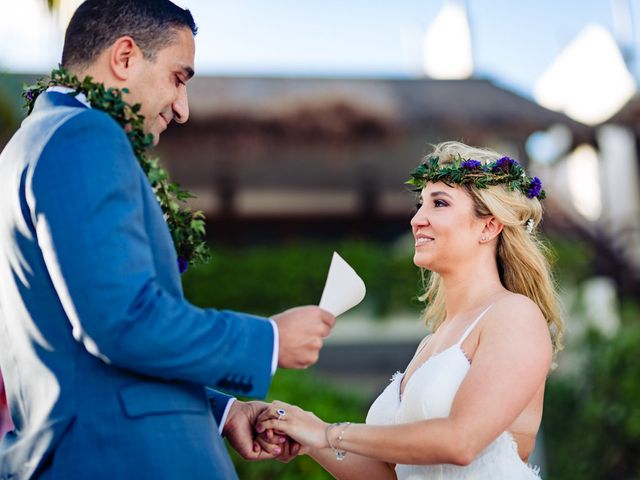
<point x="271" y="437"/>
<point x="301" y="333"/>
<point x="269" y="448"/>
<point x="327" y="318"/>
<point x="286" y="455"/>
<point x="326" y="330"/>
<point x="294" y="448"/>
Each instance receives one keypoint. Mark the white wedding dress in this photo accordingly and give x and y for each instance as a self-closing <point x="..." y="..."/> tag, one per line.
<point x="429" y="393"/>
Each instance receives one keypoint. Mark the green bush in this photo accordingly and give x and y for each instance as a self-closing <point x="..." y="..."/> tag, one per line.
<point x="312" y="393"/>
<point x="572" y="259"/>
<point x="592" y="424"/>
<point x="267" y="279"/>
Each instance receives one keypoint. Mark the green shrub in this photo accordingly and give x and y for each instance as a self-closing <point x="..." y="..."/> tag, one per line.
<point x="592" y="424"/>
<point x="572" y="259"/>
<point x="312" y="393"/>
<point x="267" y="279"/>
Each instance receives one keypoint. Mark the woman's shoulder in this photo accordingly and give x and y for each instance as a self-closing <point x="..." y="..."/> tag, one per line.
<point x="510" y="300"/>
<point x="517" y="319"/>
<point x="515" y="305"/>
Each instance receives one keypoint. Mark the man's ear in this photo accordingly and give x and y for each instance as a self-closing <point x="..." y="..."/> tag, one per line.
<point x="124" y="54"/>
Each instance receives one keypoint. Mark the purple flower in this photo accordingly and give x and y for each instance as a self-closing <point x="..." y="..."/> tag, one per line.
<point x="534" y="188"/>
<point x="504" y="164"/>
<point x="183" y="264"/>
<point x="471" y="164"/>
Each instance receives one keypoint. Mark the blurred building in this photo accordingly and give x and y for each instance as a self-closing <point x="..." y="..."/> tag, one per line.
<point x="306" y="156"/>
<point x="271" y="159"/>
<point x="598" y="182"/>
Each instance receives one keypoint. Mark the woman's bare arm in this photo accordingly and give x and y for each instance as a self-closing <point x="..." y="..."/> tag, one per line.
<point x="511" y="362"/>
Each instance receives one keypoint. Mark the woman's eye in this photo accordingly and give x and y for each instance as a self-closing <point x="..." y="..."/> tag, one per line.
<point x="440" y="203"/>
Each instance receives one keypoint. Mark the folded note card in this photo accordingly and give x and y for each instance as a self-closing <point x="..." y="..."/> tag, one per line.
<point x="344" y="289"/>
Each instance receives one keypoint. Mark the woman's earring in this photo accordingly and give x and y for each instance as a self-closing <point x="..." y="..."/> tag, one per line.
<point x="483" y="238"/>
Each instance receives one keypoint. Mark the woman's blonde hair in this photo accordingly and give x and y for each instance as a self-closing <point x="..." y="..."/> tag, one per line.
<point x="521" y="256"/>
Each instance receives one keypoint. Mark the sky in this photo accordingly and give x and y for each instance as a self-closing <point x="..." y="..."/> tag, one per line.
<point x="513" y="41"/>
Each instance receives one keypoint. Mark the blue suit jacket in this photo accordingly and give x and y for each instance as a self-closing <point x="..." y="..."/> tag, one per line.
<point x="104" y="360"/>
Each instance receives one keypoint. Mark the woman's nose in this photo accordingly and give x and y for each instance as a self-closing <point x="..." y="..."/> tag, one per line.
<point x="419" y="219"/>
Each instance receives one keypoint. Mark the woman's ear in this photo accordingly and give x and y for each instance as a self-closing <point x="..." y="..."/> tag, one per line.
<point x="492" y="228"/>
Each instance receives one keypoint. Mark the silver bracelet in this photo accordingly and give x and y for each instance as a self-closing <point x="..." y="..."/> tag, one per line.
<point x="340" y="454"/>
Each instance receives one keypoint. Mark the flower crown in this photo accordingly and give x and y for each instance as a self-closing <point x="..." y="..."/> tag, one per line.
<point x="505" y="171"/>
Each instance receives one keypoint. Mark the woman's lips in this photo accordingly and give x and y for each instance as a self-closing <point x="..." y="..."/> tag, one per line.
<point x="423" y="240"/>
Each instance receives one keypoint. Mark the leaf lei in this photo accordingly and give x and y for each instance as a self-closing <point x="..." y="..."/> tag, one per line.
<point x="459" y="171"/>
<point x="187" y="227"/>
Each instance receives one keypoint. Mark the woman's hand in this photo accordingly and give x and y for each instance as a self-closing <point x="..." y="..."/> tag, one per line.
<point x="303" y="427"/>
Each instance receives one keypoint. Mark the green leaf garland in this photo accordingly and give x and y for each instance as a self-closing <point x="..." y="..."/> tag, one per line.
<point x="459" y="171"/>
<point x="187" y="227"/>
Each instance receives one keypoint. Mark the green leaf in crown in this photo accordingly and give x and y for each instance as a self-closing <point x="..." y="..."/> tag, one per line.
<point x="459" y="171"/>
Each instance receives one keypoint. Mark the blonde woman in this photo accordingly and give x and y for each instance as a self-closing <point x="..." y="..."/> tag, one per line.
<point x="469" y="404"/>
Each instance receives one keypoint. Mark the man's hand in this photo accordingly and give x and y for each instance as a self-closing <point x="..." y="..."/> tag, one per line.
<point x="302" y="331"/>
<point x="240" y="431"/>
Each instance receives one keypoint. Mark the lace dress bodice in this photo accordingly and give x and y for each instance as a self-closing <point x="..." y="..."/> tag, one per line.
<point x="429" y="393"/>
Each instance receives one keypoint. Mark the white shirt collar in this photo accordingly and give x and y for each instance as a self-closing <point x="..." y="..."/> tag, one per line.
<point x="81" y="97"/>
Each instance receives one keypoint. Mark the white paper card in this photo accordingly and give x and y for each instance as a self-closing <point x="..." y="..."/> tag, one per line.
<point x="343" y="290"/>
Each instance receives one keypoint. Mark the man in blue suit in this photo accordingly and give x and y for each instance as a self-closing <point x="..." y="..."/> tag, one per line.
<point x="106" y="364"/>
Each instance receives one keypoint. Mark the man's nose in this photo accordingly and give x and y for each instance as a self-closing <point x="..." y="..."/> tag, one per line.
<point x="181" y="107"/>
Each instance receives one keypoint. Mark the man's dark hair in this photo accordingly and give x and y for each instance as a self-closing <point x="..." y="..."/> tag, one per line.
<point x="96" y="24"/>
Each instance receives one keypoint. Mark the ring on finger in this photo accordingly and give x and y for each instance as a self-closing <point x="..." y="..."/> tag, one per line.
<point x="281" y="413"/>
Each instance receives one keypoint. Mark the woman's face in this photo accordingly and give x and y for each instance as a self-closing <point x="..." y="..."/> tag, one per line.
<point x="447" y="233"/>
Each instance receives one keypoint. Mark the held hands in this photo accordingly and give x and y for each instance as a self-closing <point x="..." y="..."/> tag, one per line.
<point x="302" y="331"/>
<point x="241" y="433"/>
<point x="303" y="427"/>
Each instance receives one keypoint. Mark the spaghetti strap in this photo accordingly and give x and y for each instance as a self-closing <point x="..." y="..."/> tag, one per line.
<point x="422" y="344"/>
<point x="471" y="327"/>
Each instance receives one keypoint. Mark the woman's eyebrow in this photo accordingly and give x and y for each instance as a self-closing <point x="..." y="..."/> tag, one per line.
<point x="435" y="194"/>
